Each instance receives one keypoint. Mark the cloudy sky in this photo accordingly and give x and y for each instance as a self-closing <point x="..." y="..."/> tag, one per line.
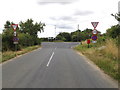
<point x="64" y="14"/>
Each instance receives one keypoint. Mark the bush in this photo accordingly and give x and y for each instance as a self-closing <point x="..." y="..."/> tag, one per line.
<point x="106" y="58"/>
<point x="114" y="31"/>
<point x="111" y="48"/>
<point x="7" y="41"/>
<point x="28" y="40"/>
<point x="74" y="38"/>
<point x="24" y="41"/>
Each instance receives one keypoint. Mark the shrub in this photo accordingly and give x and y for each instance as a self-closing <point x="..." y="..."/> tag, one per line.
<point x="111" y="49"/>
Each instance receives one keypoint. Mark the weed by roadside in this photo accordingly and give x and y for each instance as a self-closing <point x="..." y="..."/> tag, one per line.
<point x="11" y="54"/>
<point x="105" y="58"/>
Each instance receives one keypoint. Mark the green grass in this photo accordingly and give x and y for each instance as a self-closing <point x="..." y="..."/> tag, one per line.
<point x="11" y="54"/>
<point x="104" y="59"/>
<point x="0" y="56"/>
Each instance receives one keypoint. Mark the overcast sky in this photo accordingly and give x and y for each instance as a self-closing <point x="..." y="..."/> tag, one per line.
<point x="65" y="14"/>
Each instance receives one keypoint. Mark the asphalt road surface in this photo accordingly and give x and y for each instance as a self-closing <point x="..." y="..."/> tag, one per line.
<point x="55" y="65"/>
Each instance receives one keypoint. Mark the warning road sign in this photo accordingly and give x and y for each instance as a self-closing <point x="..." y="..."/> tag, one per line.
<point x="15" y="42"/>
<point x="94" y="37"/>
<point x="94" y="41"/>
<point x="15" y="33"/>
<point x="14" y="26"/>
<point x="15" y="39"/>
<point x="94" y="24"/>
<point x="94" y="32"/>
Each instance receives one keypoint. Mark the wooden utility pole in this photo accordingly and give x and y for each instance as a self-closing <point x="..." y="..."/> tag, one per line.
<point x="119" y="11"/>
<point x="55" y="32"/>
<point x="78" y="34"/>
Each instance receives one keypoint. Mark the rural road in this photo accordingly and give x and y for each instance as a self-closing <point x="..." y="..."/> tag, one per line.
<point x="55" y="65"/>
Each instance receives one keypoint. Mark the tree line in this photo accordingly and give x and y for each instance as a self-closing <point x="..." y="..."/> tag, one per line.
<point x="27" y="32"/>
<point x="75" y="36"/>
<point x="78" y="35"/>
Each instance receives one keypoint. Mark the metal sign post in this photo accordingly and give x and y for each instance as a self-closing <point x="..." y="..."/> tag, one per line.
<point x="15" y="39"/>
<point x="94" y="32"/>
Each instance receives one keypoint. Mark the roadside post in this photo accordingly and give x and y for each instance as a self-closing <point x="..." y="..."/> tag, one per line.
<point x="15" y="38"/>
<point x="88" y="42"/>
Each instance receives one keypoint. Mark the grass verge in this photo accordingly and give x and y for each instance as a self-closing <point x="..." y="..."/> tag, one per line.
<point x="11" y="54"/>
<point x="0" y="56"/>
<point x="105" y="58"/>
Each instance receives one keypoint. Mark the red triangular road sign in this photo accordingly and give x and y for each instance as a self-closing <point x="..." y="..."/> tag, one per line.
<point x="14" y="26"/>
<point x="94" y="24"/>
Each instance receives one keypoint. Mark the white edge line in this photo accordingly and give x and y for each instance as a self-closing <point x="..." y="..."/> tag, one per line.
<point x="50" y="59"/>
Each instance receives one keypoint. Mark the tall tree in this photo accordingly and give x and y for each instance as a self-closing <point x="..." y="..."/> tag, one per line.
<point x="32" y="29"/>
<point x="64" y="36"/>
<point x="114" y="31"/>
<point x="7" y="36"/>
<point x="117" y="16"/>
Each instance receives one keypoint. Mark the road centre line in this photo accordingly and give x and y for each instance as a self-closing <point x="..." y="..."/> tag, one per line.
<point x="50" y="59"/>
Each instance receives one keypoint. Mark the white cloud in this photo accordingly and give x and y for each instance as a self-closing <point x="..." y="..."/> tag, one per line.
<point x="43" y="2"/>
<point x="81" y="12"/>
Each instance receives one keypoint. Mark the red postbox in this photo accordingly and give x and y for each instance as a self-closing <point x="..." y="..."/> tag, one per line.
<point x="88" y="41"/>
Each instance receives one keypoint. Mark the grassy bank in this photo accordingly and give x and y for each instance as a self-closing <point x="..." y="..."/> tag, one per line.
<point x="0" y="57"/>
<point x="11" y="54"/>
<point x="105" y="57"/>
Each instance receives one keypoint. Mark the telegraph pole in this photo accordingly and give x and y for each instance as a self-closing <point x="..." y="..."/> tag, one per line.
<point x="119" y="11"/>
<point x="78" y="34"/>
<point x="55" y="32"/>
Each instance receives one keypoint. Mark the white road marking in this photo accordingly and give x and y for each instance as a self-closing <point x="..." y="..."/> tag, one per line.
<point x="50" y="59"/>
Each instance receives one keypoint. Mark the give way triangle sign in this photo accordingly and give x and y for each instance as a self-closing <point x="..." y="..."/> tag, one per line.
<point x="94" y="24"/>
<point x="14" y="26"/>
